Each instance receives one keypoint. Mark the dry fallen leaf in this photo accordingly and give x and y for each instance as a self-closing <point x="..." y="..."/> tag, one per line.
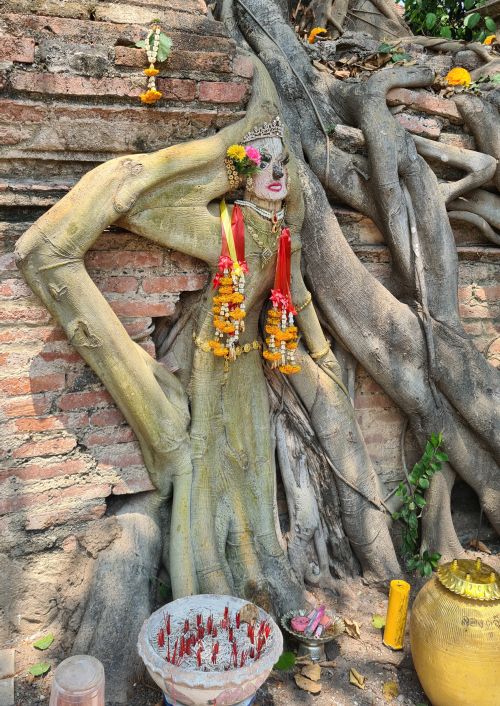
<point x="356" y="678"/>
<point x="390" y="690"/>
<point x="313" y="687"/>
<point x="312" y="671"/>
<point x="328" y="663"/>
<point x="477" y="544"/>
<point x="352" y="628"/>
<point x="249" y="613"/>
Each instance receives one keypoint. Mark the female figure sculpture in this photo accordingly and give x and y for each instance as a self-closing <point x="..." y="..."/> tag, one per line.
<point x="205" y="432"/>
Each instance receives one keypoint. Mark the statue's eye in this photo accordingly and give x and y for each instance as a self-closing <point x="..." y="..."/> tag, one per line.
<point x="265" y="160"/>
<point x="286" y="160"/>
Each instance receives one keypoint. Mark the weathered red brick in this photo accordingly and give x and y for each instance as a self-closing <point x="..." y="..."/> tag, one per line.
<point x="38" y="471"/>
<point x="80" y="400"/>
<point x="174" y="283"/>
<point x="14" y="288"/>
<point x="119" y="455"/>
<point x="20" y="49"/>
<point x="127" y="258"/>
<point x="426" y="102"/>
<point x="22" y="111"/>
<point x="66" y="357"/>
<point x="48" y="447"/>
<point x="119" y="285"/>
<point x="60" y="421"/>
<point x="222" y="92"/>
<point x="427" y="127"/>
<point x="177" y="89"/>
<point x="180" y="60"/>
<point x="133" y="485"/>
<point x="69" y="85"/>
<point x="40" y="334"/>
<point x="138" y="308"/>
<point x="106" y="418"/>
<point x="14" y="314"/>
<point x="21" y="386"/>
<point x="112" y="435"/>
<point x="27" y="407"/>
<point x="44" y="520"/>
<point x="243" y="66"/>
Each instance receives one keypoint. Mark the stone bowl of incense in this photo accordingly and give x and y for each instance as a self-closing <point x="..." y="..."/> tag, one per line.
<point x="209" y="649"/>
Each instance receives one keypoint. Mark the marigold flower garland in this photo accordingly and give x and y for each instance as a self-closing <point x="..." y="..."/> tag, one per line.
<point x="282" y="339"/>
<point x="229" y="302"/>
<point x="157" y="46"/>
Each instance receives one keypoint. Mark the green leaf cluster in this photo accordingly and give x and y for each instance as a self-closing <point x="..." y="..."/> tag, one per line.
<point x="286" y="661"/>
<point x="164" y="46"/>
<point x="450" y="19"/>
<point x="396" y="55"/>
<point x="413" y="502"/>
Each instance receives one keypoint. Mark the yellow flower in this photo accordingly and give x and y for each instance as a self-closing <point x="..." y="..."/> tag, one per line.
<point x="236" y="152"/>
<point x="151" y="71"/>
<point x="458" y="77"/>
<point x="151" y="96"/>
<point x="489" y="39"/>
<point x="315" y="31"/>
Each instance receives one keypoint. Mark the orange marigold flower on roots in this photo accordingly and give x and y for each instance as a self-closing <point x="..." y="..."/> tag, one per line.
<point x="458" y="77"/>
<point x="226" y="280"/>
<point x="292" y="345"/>
<point x="311" y="38"/>
<point x="271" y="330"/>
<point x="489" y="39"/>
<point x="225" y="290"/>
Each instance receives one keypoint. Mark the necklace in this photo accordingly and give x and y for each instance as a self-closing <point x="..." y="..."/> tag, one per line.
<point x="273" y="216"/>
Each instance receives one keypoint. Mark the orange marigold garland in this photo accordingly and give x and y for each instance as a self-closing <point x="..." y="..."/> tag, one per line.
<point x="282" y="334"/>
<point x="157" y="46"/>
<point x="229" y="302"/>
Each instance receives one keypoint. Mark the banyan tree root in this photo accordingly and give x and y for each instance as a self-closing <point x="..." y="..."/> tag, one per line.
<point x="121" y="594"/>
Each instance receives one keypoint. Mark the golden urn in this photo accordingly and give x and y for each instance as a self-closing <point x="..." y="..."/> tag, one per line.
<point x="455" y="635"/>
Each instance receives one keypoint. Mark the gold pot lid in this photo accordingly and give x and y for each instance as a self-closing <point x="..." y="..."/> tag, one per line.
<point x="470" y="578"/>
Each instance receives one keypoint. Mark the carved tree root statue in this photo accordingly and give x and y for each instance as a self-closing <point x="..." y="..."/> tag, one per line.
<point x="206" y="432"/>
<point x="418" y="352"/>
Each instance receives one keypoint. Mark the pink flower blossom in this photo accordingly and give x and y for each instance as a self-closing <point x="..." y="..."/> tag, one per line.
<point x="253" y="154"/>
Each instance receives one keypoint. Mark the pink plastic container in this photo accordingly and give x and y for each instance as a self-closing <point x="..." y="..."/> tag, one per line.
<point x="78" y="681"/>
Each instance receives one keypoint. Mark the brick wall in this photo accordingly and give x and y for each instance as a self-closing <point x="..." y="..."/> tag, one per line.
<point x="70" y="77"/>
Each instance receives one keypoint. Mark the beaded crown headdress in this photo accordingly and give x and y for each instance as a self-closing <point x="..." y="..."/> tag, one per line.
<point x="272" y="129"/>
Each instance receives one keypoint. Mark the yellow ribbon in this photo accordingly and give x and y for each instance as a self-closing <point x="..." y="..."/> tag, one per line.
<point x="228" y="230"/>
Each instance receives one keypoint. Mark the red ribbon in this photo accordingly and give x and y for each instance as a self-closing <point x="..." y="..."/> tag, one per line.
<point x="281" y="293"/>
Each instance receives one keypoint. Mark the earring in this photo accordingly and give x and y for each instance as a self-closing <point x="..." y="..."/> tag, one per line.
<point x="249" y="182"/>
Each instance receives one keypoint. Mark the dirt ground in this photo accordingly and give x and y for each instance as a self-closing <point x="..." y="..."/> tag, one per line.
<point x="377" y="663"/>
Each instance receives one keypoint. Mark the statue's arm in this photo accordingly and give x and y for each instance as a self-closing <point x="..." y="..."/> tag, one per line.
<point x="50" y="255"/>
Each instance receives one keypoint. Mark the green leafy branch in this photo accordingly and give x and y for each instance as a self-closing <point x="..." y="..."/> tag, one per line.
<point x="413" y="503"/>
<point x="450" y="19"/>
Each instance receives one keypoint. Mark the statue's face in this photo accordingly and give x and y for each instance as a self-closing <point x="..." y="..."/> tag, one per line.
<point x="270" y="182"/>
